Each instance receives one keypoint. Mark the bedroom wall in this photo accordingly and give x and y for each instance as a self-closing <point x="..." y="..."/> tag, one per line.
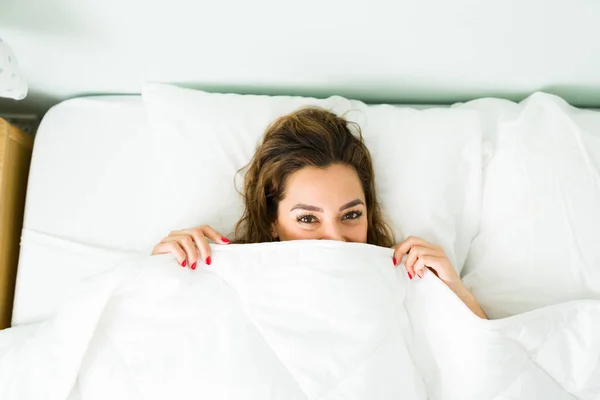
<point x="379" y="51"/>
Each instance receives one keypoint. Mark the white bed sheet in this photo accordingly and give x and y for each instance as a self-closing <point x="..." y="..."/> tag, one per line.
<point x="294" y="320"/>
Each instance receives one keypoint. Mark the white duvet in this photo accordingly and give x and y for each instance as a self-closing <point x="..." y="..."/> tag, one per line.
<point x="295" y="320"/>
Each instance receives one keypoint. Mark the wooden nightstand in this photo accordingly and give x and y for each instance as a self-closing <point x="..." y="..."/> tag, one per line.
<point x="15" y="157"/>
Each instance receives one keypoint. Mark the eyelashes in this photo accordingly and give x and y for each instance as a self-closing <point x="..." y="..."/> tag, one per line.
<point x="311" y="219"/>
<point x="306" y="218"/>
<point x="353" y="215"/>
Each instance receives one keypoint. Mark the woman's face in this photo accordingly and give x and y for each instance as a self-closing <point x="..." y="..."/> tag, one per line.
<point x="323" y="204"/>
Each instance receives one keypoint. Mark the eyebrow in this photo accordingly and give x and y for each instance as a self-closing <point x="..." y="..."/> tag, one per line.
<point x="351" y="204"/>
<point x="308" y="207"/>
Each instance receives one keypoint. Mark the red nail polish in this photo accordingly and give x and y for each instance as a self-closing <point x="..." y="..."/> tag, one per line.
<point x="394" y="260"/>
<point x="409" y="275"/>
<point x="193" y="266"/>
<point x="224" y="240"/>
<point x="208" y="261"/>
<point x="184" y="263"/>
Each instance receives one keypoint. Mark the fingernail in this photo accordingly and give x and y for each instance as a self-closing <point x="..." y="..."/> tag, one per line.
<point x="208" y="261"/>
<point x="184" y="263"/>
<point x="193" y="266"/>
<point x="224" y="240"/>
<point x="409" y="275"/>
<point x="394" y="260"/>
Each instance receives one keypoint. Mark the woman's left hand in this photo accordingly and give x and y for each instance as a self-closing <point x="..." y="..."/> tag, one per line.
<point x="422" y="255"/>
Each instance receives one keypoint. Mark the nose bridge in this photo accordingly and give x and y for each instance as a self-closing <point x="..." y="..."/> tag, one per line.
<point x="333" y="231"/>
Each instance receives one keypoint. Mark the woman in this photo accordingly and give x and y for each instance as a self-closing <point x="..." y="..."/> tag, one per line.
<point x="311" y="178"/>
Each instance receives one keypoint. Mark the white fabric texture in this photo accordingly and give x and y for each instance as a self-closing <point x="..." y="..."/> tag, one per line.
<point x="90" y="183"/>
<point x="90" y="172"/>
<point x="41" y="291"/>
<point x="539" y="239"/>
<point x="294" y="320"/>
<point x="427" y="162"/>
<point x="12" y="83"/>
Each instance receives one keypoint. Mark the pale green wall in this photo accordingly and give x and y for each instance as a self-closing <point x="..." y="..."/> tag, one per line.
<point x="419" y="51"/>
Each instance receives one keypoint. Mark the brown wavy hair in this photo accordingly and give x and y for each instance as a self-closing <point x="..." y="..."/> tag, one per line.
<point x="307" y="137"/>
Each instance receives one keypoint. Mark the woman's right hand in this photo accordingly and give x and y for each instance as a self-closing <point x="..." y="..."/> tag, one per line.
<point x="187" y="243"/>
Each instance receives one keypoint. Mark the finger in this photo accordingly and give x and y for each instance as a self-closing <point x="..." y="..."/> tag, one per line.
<point x="420" y="268"/>
<point x="410" y="271"/>
<point x="419" y="251"/>
<point x="202" y="245"/>
<point x="397" y="257"/>
<point x="204" y="230"/>
<point x="412" y="241"/>
<point x="158" y="249"/>
<point x="427" y="261"/>
<point x="397" y="260"/>
<point x="187" y="243"/>
<point x="173" y="248"/>
<point x="213" y="235"/>
<point x="204" y="249"/>
<point x="399" y="253"/>
<point x="411" y="258"/>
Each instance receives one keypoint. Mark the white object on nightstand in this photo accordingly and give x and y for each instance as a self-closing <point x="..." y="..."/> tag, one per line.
<point x="12" y="84"/>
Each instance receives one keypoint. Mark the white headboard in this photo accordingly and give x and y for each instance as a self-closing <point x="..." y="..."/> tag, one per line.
<point x="418" y="51"/>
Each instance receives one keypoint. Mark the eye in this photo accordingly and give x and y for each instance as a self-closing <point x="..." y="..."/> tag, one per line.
<point x="353" y="215"/>
<point x="306" y="219"/>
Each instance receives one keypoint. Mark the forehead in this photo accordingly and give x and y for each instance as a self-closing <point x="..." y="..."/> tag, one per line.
<point x="336" y="183"/>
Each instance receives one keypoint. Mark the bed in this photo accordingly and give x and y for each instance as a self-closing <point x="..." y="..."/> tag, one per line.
<point x="110" y="176"/>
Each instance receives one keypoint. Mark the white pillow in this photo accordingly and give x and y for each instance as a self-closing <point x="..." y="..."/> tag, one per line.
<point x="539" y="240"/>
<point x="427" y="163"/>
<point x="12" y="84"/>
